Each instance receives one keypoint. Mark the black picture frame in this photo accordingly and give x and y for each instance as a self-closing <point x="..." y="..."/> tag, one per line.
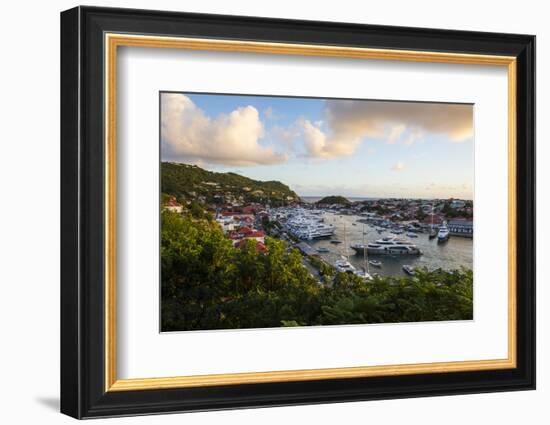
<point x="83" y="392"/>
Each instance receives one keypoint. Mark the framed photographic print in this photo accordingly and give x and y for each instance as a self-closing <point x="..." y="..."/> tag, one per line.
<point x="261" y="212"/>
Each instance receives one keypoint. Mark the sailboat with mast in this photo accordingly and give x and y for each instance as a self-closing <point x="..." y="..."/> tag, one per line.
<point x="343" y="265"/>
<point x="433" y="232"/>
<point x="365" y="273"/>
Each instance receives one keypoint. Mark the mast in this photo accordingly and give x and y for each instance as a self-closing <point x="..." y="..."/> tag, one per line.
<point x="365" y="262"/>
<point x="344" y="250"/>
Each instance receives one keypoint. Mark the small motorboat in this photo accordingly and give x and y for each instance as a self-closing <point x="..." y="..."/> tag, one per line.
<point x="323" y="249"/>
<point x="344" y="266"/>
<point x="408" y="269"/>
<point x="412" y="235"/>
<point x="375" y="263"/>
<point x="433" y="233"/>
<point x="334" y="241"/>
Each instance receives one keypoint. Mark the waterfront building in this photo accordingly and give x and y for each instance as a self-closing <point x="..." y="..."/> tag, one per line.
<point x="461" y="227"/>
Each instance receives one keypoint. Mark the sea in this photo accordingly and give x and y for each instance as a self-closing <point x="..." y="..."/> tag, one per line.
<point x="313" y="199"/>
<point x="457" y="252"/>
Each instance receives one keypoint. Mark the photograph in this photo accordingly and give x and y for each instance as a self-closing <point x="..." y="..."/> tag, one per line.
<point x="293" y="211"/>
<point x="284" y="210"/>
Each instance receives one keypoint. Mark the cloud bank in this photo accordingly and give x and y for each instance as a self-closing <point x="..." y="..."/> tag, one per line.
<point x="349" y="122"/>
<point x="188" y="135"/>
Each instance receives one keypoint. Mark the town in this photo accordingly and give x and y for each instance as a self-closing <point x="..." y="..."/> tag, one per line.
<point x="300" y="223"/>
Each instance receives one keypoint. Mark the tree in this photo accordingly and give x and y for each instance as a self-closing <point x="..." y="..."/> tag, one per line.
<point x="206" y="283"/>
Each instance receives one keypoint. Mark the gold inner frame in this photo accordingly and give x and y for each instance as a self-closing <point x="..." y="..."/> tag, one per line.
<point x="113" y="41"/>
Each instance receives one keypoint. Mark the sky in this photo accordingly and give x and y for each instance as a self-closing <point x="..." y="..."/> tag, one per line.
<point x="320" y="147"/>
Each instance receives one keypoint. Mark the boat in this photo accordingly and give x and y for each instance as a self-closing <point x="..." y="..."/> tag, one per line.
<point x="408" y="269"/>
<point x="308" y="225"/>
<point x="322" y="249"/>
<point x="375" y="263"/>
<point x="364" y="274"/>
<point x="412" y="235"/>
<point x="388" y="246"/>
<point x="344" y="266"/>
<point x="334" y="241"/>
<point x="443" y="234"/>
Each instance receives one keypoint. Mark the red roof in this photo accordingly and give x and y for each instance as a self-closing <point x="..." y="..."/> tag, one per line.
<point x="260" y="247"/>
<point x="172" y="202"/>
<point x="248" y="210"/>
<point x="245" y="230"/>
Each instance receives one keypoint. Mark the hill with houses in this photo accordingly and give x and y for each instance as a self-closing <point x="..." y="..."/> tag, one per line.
<point x="190" y="182"/>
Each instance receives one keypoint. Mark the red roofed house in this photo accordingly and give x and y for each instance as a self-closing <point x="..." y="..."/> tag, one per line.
<point x="258" y="235"/>
<point x="260" y="247"/>
<point x="246" y="233"/>
<point x="173" y="205"/>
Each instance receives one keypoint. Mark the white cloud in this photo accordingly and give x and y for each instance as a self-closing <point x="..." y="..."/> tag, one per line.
<point x="284" y="136"/>
<point x="188" y="134"/>
<point x="395" y="133"/>
<point x="349" y="122"/>
<point x="320" y="145"/>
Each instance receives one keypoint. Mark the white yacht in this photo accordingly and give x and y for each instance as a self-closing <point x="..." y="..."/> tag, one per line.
<point x="308" y="225"/>
<point x="387" y="246"/>
<point x="443" y="234"/>
<point x="344" y="266"/>
<point x="314" y="231"/>
<point x="408" y="269"/>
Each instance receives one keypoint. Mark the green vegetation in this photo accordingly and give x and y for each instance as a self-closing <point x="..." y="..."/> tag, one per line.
<point x="450" y="212"/>
<point x="187" y="182"/>
<point x="329" y="200"/>
<point x="208" y="284"/>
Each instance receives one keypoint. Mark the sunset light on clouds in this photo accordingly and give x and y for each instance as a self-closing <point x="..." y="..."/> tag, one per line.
<point x="323" y="146"/>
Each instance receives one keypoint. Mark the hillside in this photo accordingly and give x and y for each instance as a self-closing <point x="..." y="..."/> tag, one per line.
<point x="192" y="182"/>
<point x="330" y="200"/>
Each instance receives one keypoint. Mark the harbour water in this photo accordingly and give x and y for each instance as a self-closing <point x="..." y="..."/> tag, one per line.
<point x="455" y="253"/>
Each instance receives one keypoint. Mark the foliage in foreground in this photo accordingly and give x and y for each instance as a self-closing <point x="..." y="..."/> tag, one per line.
<point x="208" y="284"/>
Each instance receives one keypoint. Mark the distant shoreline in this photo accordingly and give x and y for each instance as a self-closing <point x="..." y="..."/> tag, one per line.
<point x="313" y="199"/>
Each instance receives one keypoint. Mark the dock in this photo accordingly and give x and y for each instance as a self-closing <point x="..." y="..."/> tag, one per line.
<point x="306" y="249"/>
